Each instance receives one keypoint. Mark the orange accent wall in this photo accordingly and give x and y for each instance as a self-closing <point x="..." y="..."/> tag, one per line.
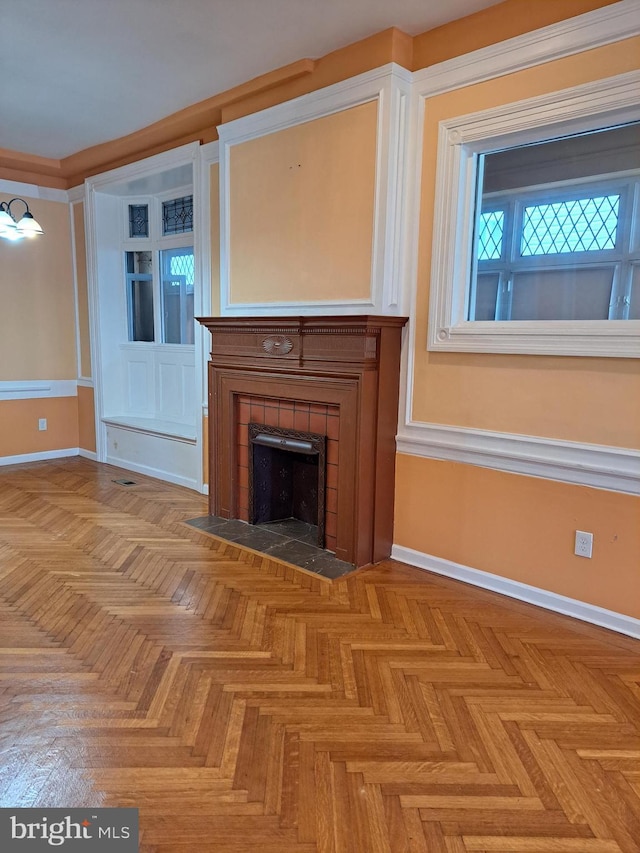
<point x="593" y="400"/>
<point x="302" y="204"/>
<point x="482" y="518"/>
<point x="80" y="261"/>
<point x="37" y="320"/>
<point x="86" y="419"/>
<point x="19" y="425"/>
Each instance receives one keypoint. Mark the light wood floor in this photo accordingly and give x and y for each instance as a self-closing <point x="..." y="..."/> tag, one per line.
<point x="243" y="705"/>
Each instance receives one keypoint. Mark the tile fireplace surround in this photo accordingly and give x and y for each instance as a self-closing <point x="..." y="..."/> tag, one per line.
<point x="338" y="376"/>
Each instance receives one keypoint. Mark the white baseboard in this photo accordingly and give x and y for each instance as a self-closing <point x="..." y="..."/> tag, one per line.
<point x="88" y="454"/>
<point x="39" y="457"/>
<point x="157" y="473"/>
<point x="522" y="591"/>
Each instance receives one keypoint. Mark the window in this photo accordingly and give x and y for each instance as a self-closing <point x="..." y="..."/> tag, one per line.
<point x="565" y="249"/>
<point x="177" y="267"/>
<point x="160" y="272"/>
<point x="537" y="226"/>
<point x="139" y="296"/>
<point x="138" y="220"/>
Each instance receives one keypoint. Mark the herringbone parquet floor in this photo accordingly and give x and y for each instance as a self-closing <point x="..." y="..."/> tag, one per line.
<point x="244" y="705"/>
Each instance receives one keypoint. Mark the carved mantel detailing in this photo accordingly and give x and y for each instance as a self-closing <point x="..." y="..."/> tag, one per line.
<point x="277" y="345"/>
<point x="349" y="362"/>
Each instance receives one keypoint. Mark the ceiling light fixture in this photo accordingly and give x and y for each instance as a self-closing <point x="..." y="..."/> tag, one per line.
<point x="12" y="228"/>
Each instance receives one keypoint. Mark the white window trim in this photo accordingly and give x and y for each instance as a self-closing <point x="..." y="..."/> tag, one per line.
<point x="587" y="107"/>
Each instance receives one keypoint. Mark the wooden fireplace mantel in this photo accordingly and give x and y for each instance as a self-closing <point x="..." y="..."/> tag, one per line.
<point x="350" y="362"/>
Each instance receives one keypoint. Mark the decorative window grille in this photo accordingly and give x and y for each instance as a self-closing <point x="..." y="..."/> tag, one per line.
<point x="177" y="215"/>
<point x="490" y="231"/>
<point x="183" y="266"/>
<point x="138" y="220"/>
<point x="580" y="225"/>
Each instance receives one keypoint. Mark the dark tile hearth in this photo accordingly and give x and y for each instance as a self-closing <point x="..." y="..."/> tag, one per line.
<point x="290" y="540"/>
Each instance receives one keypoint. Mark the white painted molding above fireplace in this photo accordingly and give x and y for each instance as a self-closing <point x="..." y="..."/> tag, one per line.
<point x="390" y="86"/>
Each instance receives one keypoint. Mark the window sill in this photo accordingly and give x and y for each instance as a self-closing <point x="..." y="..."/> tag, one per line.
<point x="154" y="426"/>
<point x="602" y="339"/>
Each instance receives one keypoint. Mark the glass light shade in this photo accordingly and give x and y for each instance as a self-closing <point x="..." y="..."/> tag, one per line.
<point x="7" y="225"/>
<point x="28" y="226"/>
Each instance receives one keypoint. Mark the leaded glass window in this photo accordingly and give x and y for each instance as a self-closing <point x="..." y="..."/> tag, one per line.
<point x="490" y="230"/>
<point x="177" y="215"/>
<point x="578" y="225"/>
<point x="138" y="220"/>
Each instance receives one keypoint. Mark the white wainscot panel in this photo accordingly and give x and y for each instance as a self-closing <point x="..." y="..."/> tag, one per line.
<point x="169" y="392"/>
<point x="167" y="458"/>
<point x="139" y="373"/>
<point x="188" y="386"/>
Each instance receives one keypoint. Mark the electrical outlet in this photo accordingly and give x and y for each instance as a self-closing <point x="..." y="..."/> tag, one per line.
<point x="42" y="424"/>
<point x="584" y="544"/>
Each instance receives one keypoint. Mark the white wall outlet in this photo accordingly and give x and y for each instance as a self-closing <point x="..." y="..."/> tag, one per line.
<point x="42" y="424"/>
<point x="584" y="544"/>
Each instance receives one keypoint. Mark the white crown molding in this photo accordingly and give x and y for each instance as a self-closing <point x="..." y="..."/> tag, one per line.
<point x="523" y="592"/>
<point x="210" y="152"/>
<point x="583" y="32"/>
<point x="76" y="194"/>
<point x="390" y="87"/>
<point x="323" y="102"/>
<point x="280" y="309"/>
<point x="597" y="466"/>
<point x="41" y="456"/>
<point x="141" y="168"/>
<point x="19" y="189"/>
<point x="37" y="388"/>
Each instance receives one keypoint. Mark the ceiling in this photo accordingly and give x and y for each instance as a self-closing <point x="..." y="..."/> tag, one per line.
<point x="75" y="73"/>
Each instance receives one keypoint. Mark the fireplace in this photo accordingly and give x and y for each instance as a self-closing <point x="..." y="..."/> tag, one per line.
<point x="287" y="477"/>
<point x="334" y="378"/>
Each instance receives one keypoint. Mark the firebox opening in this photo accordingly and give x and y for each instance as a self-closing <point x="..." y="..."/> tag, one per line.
<point x="286" y="478"/>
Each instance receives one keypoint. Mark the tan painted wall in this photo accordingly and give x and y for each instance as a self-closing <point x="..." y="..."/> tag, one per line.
<point x="83" y="290"/>
<point x="37" y="320"/>
<point x="483" y="519"/>
<point x="19" y="425"/>
<point x="302" y="204"/>
<point x="578" y="399"/>
<point x="86" y="419"/>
